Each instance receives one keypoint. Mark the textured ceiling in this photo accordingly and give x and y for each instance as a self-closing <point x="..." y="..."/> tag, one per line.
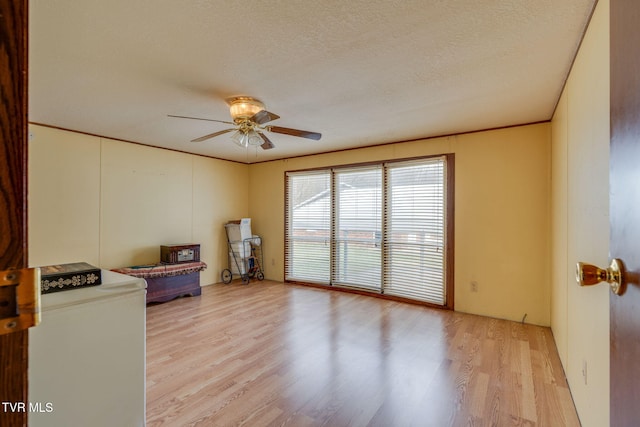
<point x="359" y="72"/>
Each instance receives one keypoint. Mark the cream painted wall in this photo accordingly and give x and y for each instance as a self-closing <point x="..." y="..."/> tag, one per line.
<point x="580" y="214"/>
<point x="113" y="204"/>
<point x="146" y="201"/>
<point x="501" y="214"/>
<point x="64" y="197"/>
<point x="220" y="195"/>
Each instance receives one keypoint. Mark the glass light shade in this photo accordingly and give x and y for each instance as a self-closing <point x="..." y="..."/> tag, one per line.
<point x="253" y="138"/>
<point x="245" y="108"/>
<point x="240" y="138"/>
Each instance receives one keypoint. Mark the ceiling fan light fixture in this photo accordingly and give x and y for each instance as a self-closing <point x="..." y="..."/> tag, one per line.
<point x="249" y="118"/>
<point x="244" y="108"/>
<point x="240" y="138"/>
<point x="253" y="138"/>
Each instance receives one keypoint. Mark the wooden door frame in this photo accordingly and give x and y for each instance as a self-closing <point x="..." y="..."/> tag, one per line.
<point x="14" y="347"/>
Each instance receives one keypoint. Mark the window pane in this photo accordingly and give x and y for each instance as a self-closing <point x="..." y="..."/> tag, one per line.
<point x="415" y="220"/>
<point x="358" y="227"/>
<point x="308" y="223"/>
<point x="380" y="228"/>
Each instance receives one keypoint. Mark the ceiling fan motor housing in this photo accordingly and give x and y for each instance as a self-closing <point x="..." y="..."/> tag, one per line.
<point x="244" y="107"/>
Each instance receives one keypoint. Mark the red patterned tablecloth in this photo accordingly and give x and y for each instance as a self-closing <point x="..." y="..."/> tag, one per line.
<point x="162" y="270"/>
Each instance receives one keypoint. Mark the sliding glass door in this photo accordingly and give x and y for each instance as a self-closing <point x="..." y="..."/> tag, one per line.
<point x="357" y="228"/>
<point x="414" y="262"/>
<point x="377" y="227"/>
<point x="308" y="227"/>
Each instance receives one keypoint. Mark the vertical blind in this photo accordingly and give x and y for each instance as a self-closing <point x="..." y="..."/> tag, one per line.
<point x="379" y="228"/>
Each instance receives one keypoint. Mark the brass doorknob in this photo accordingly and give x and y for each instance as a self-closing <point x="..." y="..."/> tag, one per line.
<point x="587" y="275"/>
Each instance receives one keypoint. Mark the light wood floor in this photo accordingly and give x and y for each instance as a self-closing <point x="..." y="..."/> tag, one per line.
<point x="273" y="354"/>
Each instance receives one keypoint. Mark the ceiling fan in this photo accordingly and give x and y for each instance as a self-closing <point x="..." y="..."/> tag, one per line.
<point x="249" y="116"/>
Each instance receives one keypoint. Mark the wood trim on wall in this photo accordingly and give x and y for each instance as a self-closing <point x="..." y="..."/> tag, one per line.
<point x="301" y="156"/>
<point x="426" y="138"/>
<point x="136" y="143"/>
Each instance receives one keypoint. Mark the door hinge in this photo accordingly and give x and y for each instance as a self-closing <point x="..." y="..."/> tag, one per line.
<point x="19" y="299"/>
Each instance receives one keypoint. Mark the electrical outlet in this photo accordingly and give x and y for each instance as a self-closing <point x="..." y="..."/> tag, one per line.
<point x="584" y="371"/>
<point x="273" y="261"/>
<point x="474" y="286"/>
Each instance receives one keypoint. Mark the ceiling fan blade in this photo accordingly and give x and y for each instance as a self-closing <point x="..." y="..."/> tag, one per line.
<point x="267" y="142"/>
<point x="295" y="132"/>
<point x="263" y="116"/>
<point x="198" y="118"/>
<point x="211" y="135"/>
